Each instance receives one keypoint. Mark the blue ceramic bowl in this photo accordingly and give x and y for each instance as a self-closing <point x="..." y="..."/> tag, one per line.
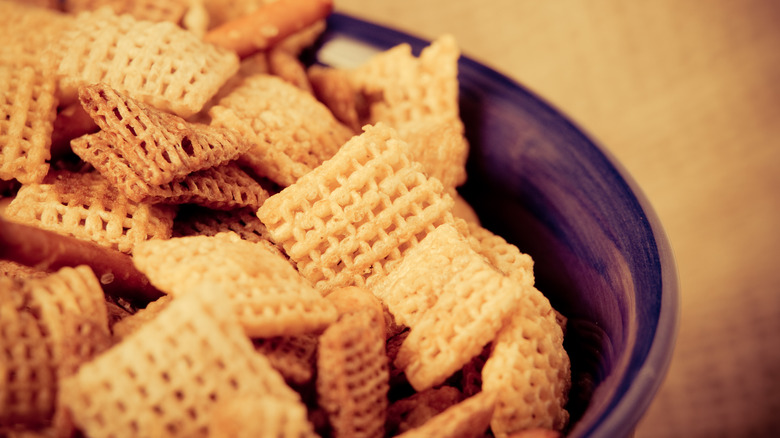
<point x="600" y="253"/>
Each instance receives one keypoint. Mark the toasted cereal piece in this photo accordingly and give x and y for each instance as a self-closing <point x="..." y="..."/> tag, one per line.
<point x="415" y="284"/>
<point x="289" y="67"/>
<point x="334" y="89"/>
<point x="290" y="131"/>
<point x="198" y="221"/>
<point x="353" y="299"/>
<point x="27" y="111"/>
<point x="529" y="370"/>
<point x="132" y="323"/>
<point x="159" y="64"/>
<point x="348" y="221"/>
<point x="420" y="407"/>
<point x="438" y="144"/>
<point x="293" y="356"/>
<point x="269" y="297"/>
<point x="88" y="207"/>
<point x="535" y="433"/>
<point x="28" y="371"/>
<point x="469" y="418"/>
<point x="49" y="326"/>
<point x="400" y="87"/>
<point x="49" y="4"/>
<point x="257" y="415"/>
<point x="506" y="257"/>
<point x="222" y="187"/>
<point x="27" y="32"/>
<point x="471" y="305"/>
<point x="159" y="147"/>
<point x="167" y="378"/>
<point x="352" y="376"/>
<point x="149" y="10"/>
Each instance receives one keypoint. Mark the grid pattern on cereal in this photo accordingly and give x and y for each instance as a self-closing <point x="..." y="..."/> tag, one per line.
<point x="158" y="146"/>
<point x="27" y="32"/>
<point x="529" y="369"/>
<point x="166" y="378"/>
<point x="159" y="63"/>
<point x="222" y="187"/>
<point x="292" y="356"/>
<point x="346" y="222"/>
<point x="352" y="376"/>
<point x="28" y="108"/>
<point x="86" y="206"/>
<point x="291" y="131"/>
<point x="270" y="298"/>
<point x="416" y="282"/>
<point x="505" y="256"/>
<point x="148" y="10"/>
<point x="471" y="308"/>
<point x="28" y="371"/>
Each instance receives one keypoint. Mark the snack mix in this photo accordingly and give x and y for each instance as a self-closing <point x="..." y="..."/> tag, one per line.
<point x="201" y="236"/>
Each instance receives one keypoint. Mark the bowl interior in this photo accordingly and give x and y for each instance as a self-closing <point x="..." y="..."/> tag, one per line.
<point x="600" y="255"/>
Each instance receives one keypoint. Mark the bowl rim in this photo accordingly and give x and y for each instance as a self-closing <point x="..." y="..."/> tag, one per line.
<point x="621" y="416"/>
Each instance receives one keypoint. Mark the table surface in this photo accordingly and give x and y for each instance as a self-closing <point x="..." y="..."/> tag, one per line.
<point x="684" y="94"/>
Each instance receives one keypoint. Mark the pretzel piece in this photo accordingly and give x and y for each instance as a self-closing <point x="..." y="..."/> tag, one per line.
<point x="268" y="25"/>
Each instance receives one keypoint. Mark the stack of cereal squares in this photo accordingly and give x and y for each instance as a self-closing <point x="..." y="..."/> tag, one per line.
<point x="320" y="274"/>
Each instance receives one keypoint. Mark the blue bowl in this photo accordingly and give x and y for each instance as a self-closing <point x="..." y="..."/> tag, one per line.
<point x="601" y="255"/>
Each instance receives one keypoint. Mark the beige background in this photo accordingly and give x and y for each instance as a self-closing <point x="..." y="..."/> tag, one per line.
<point x="686" y="95"/>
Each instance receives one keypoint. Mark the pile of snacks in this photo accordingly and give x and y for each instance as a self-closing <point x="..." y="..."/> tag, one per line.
<point x="201" y="236"/>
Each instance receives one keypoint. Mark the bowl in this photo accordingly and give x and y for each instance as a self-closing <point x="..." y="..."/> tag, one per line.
<point x="601" y="255"/>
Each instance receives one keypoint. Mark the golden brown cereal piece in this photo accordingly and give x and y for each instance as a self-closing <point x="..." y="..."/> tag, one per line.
<point x="353" y="299"/>
<point x="352" y="376"/>
<point x="28" y="367"/>
<point x="506" y="257"/>
<point x="528" y="370"/>
<point x="159" y="147"/>
<point x="293" y="356"/>
<point x="439" y="145"/>
<point x="333" y="88"/>
<point x="149" y="10"/>
<point x="269" y="297"/>
<point x="222" y="187"/>
<point x="469" y="418"/>
<point x="48" y="327"/>
<point x="400" y="87"/>
<point x="50" y="4"/>
<point x="348" y="221"/>
<point x="535" y="433"/>
<point x="418" y="408"/>
<point x="27" y="111"/>
<point x="290" y="131"/>
<point x="257" y="415"/>
<point x="159" y="64"/>
<point x="417" y="281"/>
<point x="86" y="206"/>
<point x="471" y="305"/>
<point x="287" y="66"/>
<point x="132" y="323"/>
<point x="27" y="32"/>
<point x="199" y="221"/>
<point x="166" y="378"/>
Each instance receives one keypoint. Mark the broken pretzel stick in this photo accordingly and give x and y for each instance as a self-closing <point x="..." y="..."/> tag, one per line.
<point x="268" y="25"/>
<point x="50" y="251"/>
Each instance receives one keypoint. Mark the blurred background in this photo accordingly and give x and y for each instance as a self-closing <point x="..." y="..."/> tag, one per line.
<point x="686" y="95"/>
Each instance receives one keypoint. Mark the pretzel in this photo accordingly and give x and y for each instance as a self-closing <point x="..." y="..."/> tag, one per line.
<point x="268" y="25"/>
<point x="48" y="250"/>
